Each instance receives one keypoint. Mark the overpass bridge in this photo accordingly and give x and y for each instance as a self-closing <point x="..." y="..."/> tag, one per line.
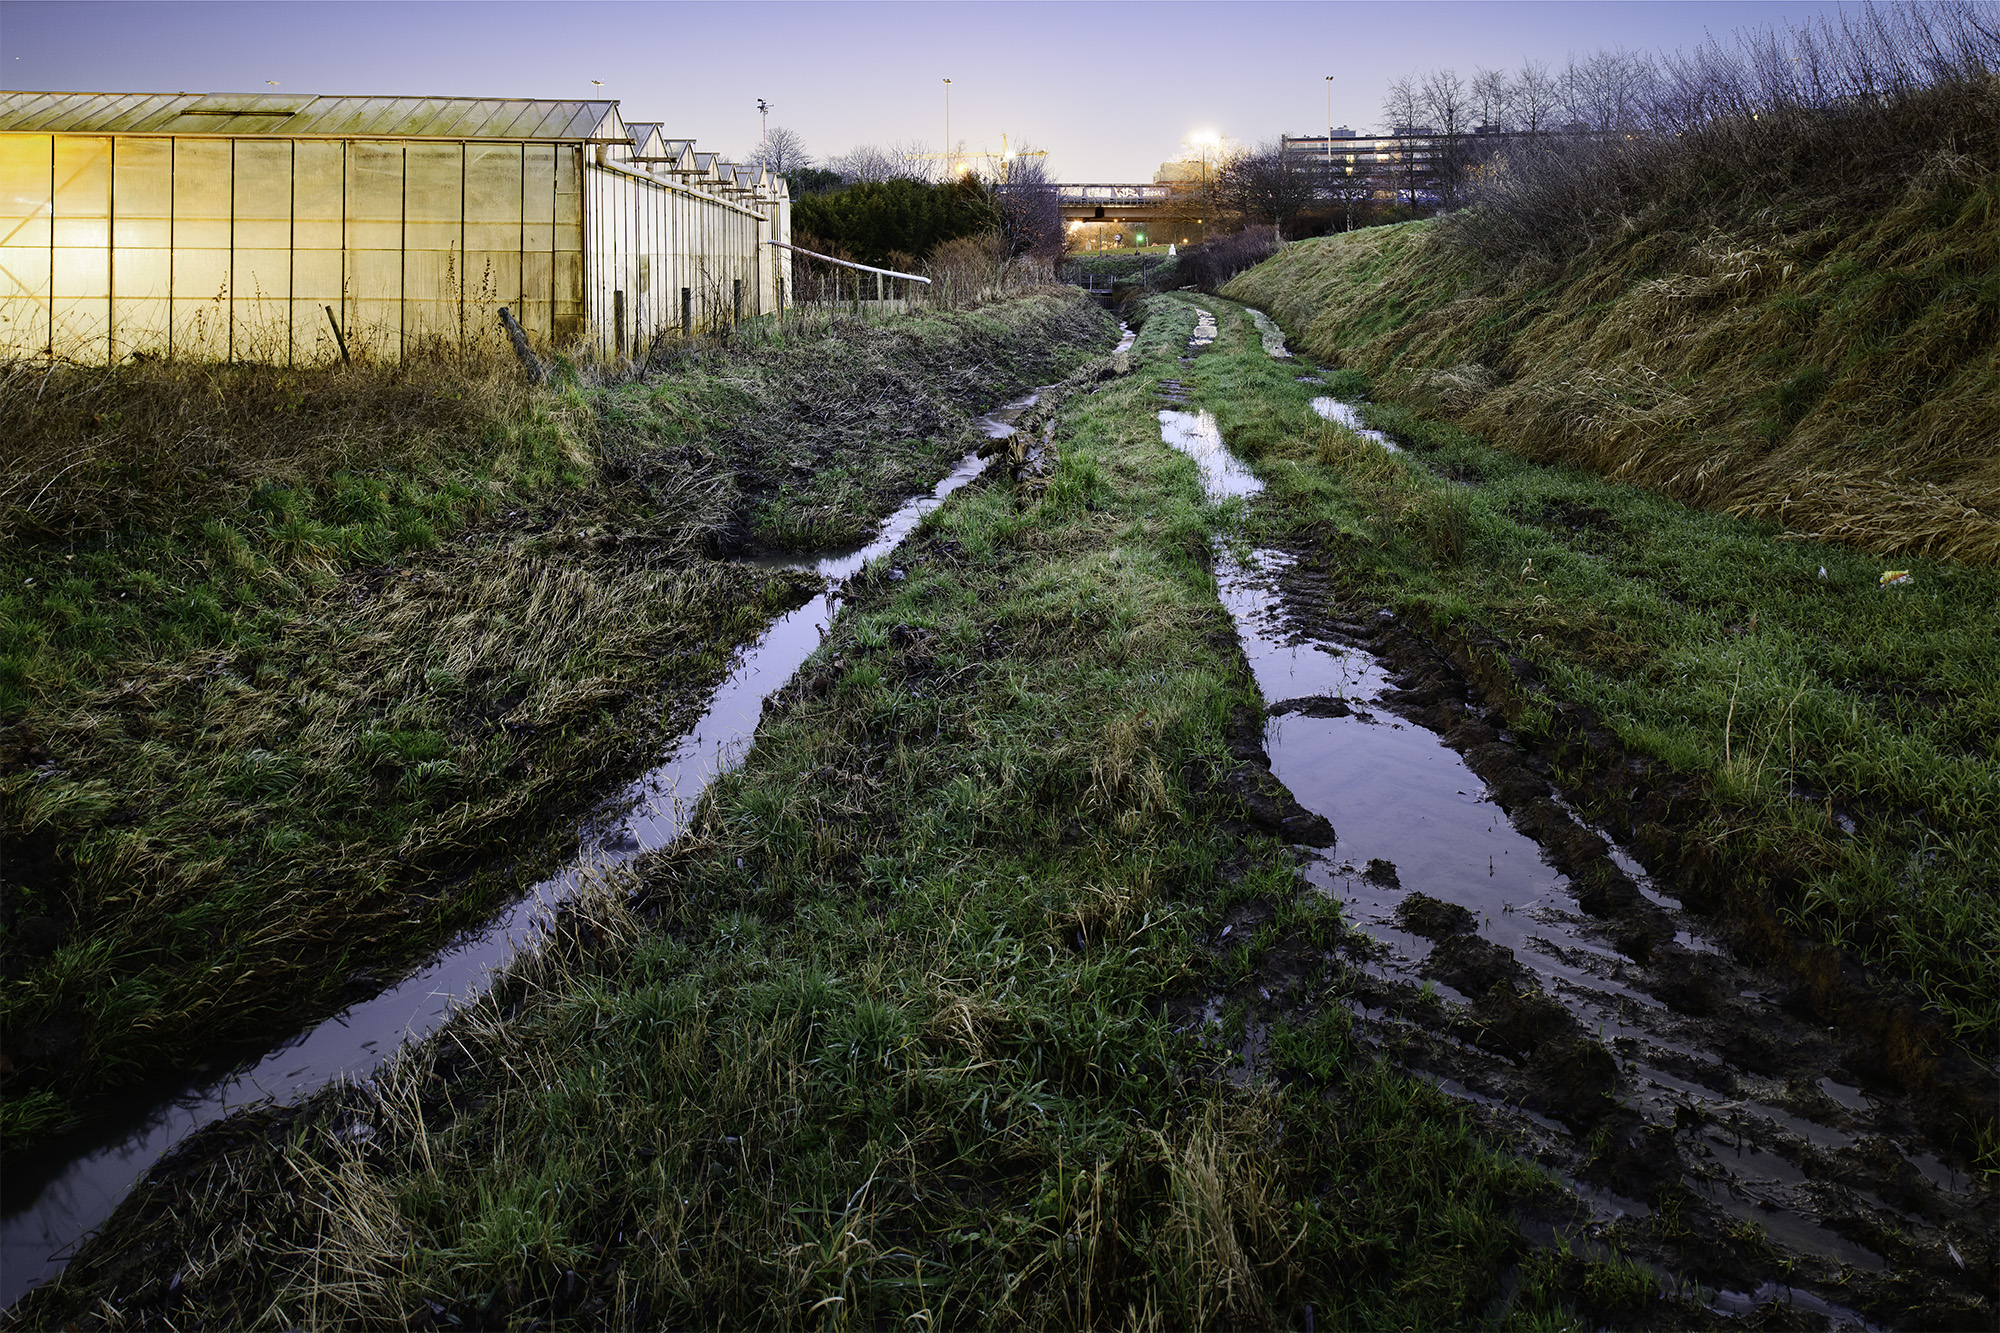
<point x="1095" y="212"/>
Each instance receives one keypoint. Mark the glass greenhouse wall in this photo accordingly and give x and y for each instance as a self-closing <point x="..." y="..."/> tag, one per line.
<point x="255" y="244"/>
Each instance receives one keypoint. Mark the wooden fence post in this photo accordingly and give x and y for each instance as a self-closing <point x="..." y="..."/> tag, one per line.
<point x="517" y="336"/>
<point x="339" y="341"/>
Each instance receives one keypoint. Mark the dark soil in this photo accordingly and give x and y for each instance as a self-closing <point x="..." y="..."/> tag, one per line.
<point x="1783" y="1136"/>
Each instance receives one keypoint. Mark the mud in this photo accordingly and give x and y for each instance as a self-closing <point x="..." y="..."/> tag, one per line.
<point x="1714" y="1119"/>
<point x="49" y="1212"/>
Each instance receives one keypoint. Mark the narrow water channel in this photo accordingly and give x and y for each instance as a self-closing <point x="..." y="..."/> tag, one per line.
<point x="1714" y="1087"/>
<point x="47" y="1214"/>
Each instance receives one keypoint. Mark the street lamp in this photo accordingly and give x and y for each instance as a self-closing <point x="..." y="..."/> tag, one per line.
<point x="1329" y="124"/>
<point x="764" y="133"/>
<point x="1203" y="140"/>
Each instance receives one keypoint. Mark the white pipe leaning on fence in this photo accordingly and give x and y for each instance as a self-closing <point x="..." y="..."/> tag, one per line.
<point x="864" y="268"/>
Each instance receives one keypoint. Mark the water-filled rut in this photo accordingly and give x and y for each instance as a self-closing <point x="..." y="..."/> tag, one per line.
<point x="1527" y="963"/>
<point x="48" y="1214"/>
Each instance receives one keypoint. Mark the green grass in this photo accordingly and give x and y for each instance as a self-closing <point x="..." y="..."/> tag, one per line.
<point x="1712" y="643"/>
<point x="892" y="1037"/>
<point x="1825" y="364"/>
<point x="283" y="704"/>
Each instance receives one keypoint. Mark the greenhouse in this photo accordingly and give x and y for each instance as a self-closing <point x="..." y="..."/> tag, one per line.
<point x="296" y="230"/>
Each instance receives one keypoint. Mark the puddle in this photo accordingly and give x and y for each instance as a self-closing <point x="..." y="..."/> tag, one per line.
<point x="1349" y="415"/>
<point x="1204" y="330"/>
<point x="1273" y="336"/>
<point x="47" y="1214"/>
<point x="1195" y="434"/>
<point x="1701" y="1051"/>
<point x="1743" y="1304"/>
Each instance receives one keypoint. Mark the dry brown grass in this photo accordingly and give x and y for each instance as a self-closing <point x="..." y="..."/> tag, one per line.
<point x="1842" y="378"/>
<point x="96" y="449"/>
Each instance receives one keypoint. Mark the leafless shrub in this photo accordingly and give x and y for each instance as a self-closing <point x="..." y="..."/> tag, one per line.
<point x="1031" y="222"/>
<point x="1810" y="111"/>
<point x="969" y="271"/>
<point x="1208" y="264"/>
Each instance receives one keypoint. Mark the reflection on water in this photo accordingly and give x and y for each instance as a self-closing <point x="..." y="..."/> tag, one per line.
<point x="1349" y="415"/>
<point x="1273" y="336"/>
<point x="1196" y="435"/>
<point x="48" y="1213"/>
<point x="1412" y="817"/>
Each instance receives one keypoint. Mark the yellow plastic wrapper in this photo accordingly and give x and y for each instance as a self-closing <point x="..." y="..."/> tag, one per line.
<point x="1890" y="576"/>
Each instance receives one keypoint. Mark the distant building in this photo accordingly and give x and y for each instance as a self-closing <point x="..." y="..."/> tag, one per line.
<point x="227" y="226"/>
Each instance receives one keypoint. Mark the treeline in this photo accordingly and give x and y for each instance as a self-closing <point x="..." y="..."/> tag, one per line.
<point x="904" y="220"/>
<point x="1546" y="146"/>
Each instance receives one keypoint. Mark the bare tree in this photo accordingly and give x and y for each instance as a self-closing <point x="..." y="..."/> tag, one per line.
<point x="1402" y="107"/>
<point x="1349" y="187"/>
<point x="1606" y="91"/>
<point x="783" y="151"/>
<point x="1447" y="108"/>
<point x="866" y="163"/>
<point x="1532" y="99"/>
<point x="1267" y="185"/>
<point x="1491" y="95"/>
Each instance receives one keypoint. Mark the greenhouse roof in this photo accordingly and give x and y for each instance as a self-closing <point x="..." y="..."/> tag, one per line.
<point x="304" y="116"/>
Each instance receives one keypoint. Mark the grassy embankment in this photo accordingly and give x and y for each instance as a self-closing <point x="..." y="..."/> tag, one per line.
<point x="302" y="670"/>
<point x="907" y="1027"/>
<point x="1773" y="670"/>
<point x="1807" y="331"/>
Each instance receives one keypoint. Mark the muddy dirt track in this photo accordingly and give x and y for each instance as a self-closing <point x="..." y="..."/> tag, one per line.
<point x="1756" y="1122"/>
<point x="1715" y="1118"/>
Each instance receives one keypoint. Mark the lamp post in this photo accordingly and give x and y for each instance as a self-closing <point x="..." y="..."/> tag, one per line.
<point x="947" y="129"/>
<point x="764" y="132"/>
<point x="1203" y="141"/>
<point x="1329" y="133"/>
<point x="1329" y="123"/>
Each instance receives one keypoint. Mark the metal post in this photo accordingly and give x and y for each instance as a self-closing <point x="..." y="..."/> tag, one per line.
<point x="738" y="296"/>
<point x="687" y="312"/>
<point x="618" y="319"/>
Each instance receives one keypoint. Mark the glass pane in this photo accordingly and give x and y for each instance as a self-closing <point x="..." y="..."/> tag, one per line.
<point x="318" y="195"/>
<point x="142" y="176"/>
<point x="538" y="197"/>
<point x="318" y="256"/>
<point x="25" y="198"/>
<point x="433" y="244"/>
<point x="202" y="199"/>
<point x="82" y="216"/>
<point x="261" y="274"/>
<point x="373" y="318"/>
<point x="263" y="195"/>
<point x="567" y="313"/>
<point x="316" y="277"/>
<point x="537" y="277"/>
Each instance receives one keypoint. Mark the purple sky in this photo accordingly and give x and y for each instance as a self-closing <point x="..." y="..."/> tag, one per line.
<point x="1110" y="89"/>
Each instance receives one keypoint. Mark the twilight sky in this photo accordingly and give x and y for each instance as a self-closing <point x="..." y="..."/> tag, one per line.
<point x="1110" y="89"/>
